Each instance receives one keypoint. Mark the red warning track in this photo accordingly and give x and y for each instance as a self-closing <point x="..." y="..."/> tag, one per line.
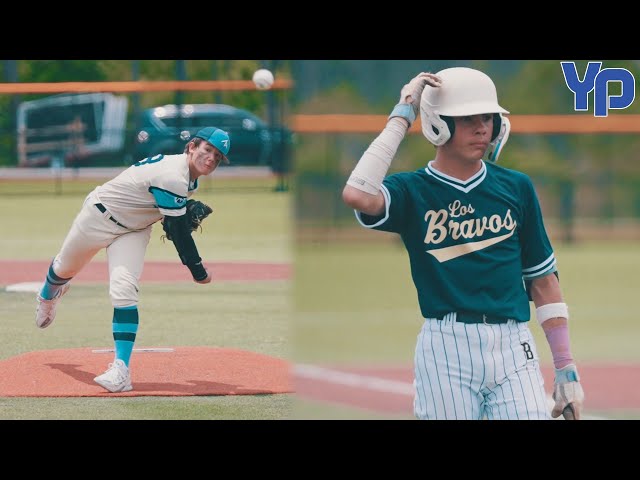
<point x="17" y="271"/>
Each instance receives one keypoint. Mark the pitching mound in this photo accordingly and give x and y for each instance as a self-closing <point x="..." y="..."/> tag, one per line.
<point x="154" y="372"/>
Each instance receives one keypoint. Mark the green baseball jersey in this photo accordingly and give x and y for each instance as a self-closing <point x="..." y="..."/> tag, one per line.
<point x="471" y="244"/>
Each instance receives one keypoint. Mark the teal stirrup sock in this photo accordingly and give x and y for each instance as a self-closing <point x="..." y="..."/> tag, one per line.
<point x="52" y="284"/>
<point x="125" y="327"/>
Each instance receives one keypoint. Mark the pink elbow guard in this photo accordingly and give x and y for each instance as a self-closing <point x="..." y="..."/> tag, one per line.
<point x="558" y="338"/>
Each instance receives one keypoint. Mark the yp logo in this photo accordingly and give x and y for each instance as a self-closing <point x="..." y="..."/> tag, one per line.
<point x="597" y="79"/>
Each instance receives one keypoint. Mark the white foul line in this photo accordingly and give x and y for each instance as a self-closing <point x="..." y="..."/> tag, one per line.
<point x="152" y="350"/>
<point x="374" y="383"/>
<point x="354" y="380"/>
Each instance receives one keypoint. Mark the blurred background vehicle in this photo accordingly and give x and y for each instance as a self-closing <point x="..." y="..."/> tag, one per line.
<point x="167" y="129"/>
<point x="92" y="130"/>
<point x="72" y="130"/>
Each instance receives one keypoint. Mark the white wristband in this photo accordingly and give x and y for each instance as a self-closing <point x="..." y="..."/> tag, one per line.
<point x="404" y="110"/>
<point x="552" y="310"/>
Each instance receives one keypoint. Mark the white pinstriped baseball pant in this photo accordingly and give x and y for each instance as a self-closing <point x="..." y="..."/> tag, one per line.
<point x="474" y="371"/>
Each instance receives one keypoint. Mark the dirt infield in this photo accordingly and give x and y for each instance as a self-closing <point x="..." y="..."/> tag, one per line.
<point x="165" y="372"/>
<point x="390" y="389"/>
<point x="16" y="271"/>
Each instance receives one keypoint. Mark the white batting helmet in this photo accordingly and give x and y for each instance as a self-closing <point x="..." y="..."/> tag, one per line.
<point x="464" y="91"/>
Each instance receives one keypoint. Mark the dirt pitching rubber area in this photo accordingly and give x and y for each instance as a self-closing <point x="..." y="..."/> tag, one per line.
<point x="160" y="371"/>
<point x="163" y="371"/>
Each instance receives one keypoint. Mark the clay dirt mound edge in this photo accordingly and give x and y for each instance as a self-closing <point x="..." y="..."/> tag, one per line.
<point x="160" y="371"/>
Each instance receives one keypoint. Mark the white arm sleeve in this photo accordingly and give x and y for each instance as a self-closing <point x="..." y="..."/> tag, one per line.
<point x="376" y="160"/>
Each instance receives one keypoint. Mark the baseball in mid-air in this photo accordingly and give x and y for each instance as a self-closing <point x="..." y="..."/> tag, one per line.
<point x="263" y="79"/>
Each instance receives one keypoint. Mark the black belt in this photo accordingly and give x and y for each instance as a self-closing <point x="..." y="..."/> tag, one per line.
<point x="470" y="317"/>
<point x="100" y="207"/>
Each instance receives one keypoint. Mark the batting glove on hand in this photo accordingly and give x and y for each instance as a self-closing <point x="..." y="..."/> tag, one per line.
<point x="411" y="94"/>
<point x="567" y="393"/>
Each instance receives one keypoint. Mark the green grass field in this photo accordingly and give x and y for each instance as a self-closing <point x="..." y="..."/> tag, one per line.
<point x="249" y="221"/>
<point x="248" y="224"/>
<point x="350" y="303"/>
<point x="356" y="305"/>
<point x="368" y="311"/>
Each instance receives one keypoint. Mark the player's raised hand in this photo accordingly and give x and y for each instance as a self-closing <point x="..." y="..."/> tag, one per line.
<point x="412" y="91"/>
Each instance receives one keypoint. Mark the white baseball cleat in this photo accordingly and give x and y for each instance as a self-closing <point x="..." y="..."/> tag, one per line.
<point x="116" y="379"/>
<point x="46" y="309"/>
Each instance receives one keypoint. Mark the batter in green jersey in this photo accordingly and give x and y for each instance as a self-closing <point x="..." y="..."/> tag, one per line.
<point x="468" y="240"/>
<point x="478" y="251"/>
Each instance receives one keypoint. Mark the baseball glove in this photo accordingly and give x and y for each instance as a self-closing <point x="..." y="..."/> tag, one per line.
<point x="195" y="215"/>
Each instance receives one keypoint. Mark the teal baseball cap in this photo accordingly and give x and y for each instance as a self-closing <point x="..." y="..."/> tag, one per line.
<point x="218" y="138"/>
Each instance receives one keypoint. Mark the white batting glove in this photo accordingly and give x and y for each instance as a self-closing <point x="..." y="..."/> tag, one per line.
<point x="411" y="94"/>
<point x="567" y="393"/>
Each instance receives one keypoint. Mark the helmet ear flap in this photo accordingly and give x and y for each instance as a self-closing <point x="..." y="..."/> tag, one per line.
<point x="496" y="145"/>
<point x="435" y="127"/>
<point x="445" y="126"/>
<point x="497" y="125"/>
<point x="451" y="125"/>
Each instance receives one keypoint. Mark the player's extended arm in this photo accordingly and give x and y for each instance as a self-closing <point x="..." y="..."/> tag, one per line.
<point x="553" y="315"/>
<point x="179" y="230"/>
<point x="362" y="191"/>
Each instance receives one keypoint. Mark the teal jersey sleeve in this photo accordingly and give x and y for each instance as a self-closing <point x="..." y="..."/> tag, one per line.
<point x="470" y="243"/>
<point x="168" y="200"/>
<point x="537" y="254"/>
<point x="397" y="199"/>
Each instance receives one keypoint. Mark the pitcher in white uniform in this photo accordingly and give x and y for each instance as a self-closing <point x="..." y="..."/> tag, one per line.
<point x="118" y="216"/>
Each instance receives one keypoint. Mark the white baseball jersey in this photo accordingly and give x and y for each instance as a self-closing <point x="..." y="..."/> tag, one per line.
<point x="131" y="203"/>
<point x="149" y="189"/>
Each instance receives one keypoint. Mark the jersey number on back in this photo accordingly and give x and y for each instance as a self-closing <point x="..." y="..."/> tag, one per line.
<point x="149" y="160"/>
